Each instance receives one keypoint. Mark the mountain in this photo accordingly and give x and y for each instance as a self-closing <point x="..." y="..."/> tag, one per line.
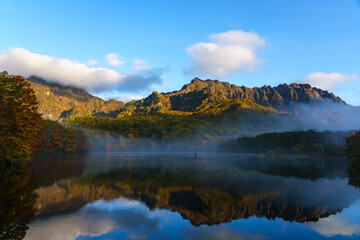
<point x="267" y="96"/>
<point x="200" y="103"/>
<point x="201" y="114"/>
<point x="57" y="102"/>
<point x="200" y="97"/>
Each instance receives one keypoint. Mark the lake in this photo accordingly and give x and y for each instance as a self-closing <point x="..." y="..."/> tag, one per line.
<point x="178" y="196"/>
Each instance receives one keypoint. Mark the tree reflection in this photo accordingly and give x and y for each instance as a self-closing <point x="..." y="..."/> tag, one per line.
<point x="17" y="200"/>
<point x="201" y="196"/>
<point x="354" y="172"/>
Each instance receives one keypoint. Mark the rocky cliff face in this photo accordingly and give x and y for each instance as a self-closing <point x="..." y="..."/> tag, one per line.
<point x="59" y="102"/>
<point x="267" y="96"/>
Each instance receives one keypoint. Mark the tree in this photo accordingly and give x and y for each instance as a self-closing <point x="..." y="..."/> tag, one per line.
<point x="19" y="120"/>
<point x="353" y="145"/>
<point x="353" y="150"/>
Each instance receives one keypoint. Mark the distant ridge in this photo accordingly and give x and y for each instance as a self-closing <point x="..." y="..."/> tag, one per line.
<point x="278" y="96"/>
<point x="57" y="102"/>
<point x="199" y="97"/>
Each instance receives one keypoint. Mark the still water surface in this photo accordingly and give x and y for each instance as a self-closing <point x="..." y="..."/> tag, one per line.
<point x="175" y="196"/>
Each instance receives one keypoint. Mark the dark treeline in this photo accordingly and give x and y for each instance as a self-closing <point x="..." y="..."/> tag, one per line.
<point x="296" y="142"/>
<point x="353" y="150"/>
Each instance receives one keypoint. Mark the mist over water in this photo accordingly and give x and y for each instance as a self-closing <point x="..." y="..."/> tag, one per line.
<point x="123" y="195"/>
<point x="325" y="116"/>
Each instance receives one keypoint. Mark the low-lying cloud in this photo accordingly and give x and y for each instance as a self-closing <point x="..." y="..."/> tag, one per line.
<point x="227" y="53"/>
<point x="328" y="81"/>
<point x="72" y="73"/>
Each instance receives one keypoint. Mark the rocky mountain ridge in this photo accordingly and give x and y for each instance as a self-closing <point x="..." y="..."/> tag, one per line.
<point x="276" y="97"/>
<point x="204" y="97"/>
<point x="201" y="95"/>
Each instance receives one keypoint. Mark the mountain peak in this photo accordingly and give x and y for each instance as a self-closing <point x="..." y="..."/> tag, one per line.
<point x="58" y="102"/>
<point x="281" y="95"/>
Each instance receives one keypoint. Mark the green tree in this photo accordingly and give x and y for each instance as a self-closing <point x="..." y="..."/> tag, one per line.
<point x="353" y="145"/>
<point x="19" y="120"/>
<point x="353" y="150"/>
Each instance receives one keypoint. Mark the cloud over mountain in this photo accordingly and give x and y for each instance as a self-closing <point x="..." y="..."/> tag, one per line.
<point x="328" y="80"/>
<point x="72" y="73"/>
<point x="227" y="53"/>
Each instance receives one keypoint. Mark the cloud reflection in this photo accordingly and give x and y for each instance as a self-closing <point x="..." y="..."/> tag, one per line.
<point x="346" y="223"/>
<point x="97" y="219"/>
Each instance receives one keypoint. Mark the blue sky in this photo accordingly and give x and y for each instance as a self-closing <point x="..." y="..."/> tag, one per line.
<point x="162" y="45"/>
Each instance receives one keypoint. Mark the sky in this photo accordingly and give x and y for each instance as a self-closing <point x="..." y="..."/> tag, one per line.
<point x="127" y="49"/>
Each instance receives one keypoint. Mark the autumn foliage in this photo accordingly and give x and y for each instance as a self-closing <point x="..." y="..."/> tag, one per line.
<point x="19" y="120"/>
<point x="54" y="138"/>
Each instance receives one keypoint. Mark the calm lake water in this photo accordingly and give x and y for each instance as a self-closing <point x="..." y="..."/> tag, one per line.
<point x="175" y="196"/>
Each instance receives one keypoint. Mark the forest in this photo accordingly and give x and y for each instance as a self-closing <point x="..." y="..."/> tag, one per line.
<point x="54" y="138"/>
<point x="23" y="132"/>
<point x="295" y="142"/>
<point x="353" y="151"/>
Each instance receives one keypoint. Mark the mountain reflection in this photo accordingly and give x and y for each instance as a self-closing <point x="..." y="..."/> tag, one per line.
<point x="205" y="191"/>
<point x="208" y="190"/>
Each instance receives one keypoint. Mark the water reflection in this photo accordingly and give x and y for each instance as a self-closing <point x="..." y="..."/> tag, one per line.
<point x="206" y="191"/>
<point x="112" y="196"/>
<point x="99" y="218"/>
<point x="347" y="223"/>
<point x="354" y="172"/>
<point x="17" y="200"/>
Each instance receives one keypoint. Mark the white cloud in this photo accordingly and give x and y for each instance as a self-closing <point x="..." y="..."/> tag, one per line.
<point x="113" y="60"/>
<point x="92" y="63"/>
<point x="328" y="81"/>
<point x="68" y="72"/>
<point x="345" y="223"/>
<point x="229" y="52"/>
<point x="140" y="65"/>
<point x="335" y="225"/>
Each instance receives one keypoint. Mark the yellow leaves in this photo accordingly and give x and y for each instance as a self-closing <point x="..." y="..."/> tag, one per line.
<point x="19" y="119"/>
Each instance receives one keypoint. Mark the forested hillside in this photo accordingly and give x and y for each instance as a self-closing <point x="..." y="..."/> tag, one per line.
<point x="57" y="102"/>
<point x="306" y="142"/>
<point x="199" y="116"/>
<point x="200" y="97"/>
